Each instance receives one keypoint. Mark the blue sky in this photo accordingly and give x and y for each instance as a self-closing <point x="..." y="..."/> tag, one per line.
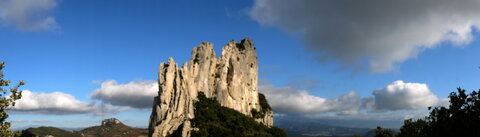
<point x="90" y="42"/>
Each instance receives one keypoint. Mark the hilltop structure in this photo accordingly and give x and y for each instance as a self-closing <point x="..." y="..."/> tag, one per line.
<point x="231" y="79"/>
<point x="110" y="122"/>
<point x="112" y="127"/>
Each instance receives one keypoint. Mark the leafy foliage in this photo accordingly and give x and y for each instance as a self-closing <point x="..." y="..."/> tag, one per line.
<point x="263" y="102"/>
<point x="380" y="132"/>
<point x="44" y="131"/>
<point x="212" y="119"/>
<point x="6" y="102"/>
<point x="412" y="128"/>
<point x="460" y="119"/>
<point x="264" y="107"/>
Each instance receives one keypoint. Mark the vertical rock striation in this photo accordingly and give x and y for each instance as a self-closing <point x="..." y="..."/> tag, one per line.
<point x="232" y="79"/>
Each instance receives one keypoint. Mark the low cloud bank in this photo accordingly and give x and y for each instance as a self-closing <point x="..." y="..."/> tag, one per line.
<point x="398" y="99"/>
<point x="396" y="96"/>
<point x="59" y="103"/>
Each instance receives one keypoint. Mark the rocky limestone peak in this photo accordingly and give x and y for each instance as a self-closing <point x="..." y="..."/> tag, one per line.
<point x="232" y="79"/>
<point x="110" y="122"/>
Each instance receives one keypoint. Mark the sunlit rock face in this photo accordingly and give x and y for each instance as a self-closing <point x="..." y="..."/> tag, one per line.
<point x="232" y="79"/>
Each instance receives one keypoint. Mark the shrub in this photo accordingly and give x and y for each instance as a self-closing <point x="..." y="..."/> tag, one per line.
<point x="212" y="119"/>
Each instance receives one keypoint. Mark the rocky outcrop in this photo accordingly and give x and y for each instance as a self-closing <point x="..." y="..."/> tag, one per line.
<point x="232" y="79"/>
<point x="110" y="122"/>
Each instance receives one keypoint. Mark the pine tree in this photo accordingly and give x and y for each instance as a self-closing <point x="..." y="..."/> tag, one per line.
<point x="7" y="101"/>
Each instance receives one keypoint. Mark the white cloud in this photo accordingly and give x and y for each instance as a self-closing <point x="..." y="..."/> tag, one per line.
<point x="41" y="121"/>
<point x="405" y="96"/>
<point x="397" y="100"/>
<point x="134" y="94"/>
<point x="288" y="100"/>
<point x="60" y="104"/>
<point x="28" y="15"/>
<point x="369" y="115"/>
<point x="119" y="97"/>
<point x="19" y="121"/>
<point x="381" y="32"/>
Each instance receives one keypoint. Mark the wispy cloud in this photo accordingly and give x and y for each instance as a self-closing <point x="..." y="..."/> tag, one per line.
<point x="19" y="121"/>
<point x="41" y="121"/>
<point x="28" y="15"/>
<point x="381" y="32"/>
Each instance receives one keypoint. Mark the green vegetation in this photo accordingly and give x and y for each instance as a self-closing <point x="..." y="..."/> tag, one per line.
<point x="380" y="132"/>
<point x="212" y="119"/>
<point x="6" y="102"/>
<point x="257" y="114"/>
<point x="263" y="102"/>
<point x="264" y="107"/>
<point x="44" y="131"/>
<point x="412" y="128"/>
<point x="460" y="119"/>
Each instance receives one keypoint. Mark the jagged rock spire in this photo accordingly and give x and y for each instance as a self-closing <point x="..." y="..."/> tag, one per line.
<point x="232" y="79"/>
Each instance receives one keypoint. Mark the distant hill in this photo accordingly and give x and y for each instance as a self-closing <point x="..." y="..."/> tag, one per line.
<point x="301" y="128"/>
<point x="112" y="128"/>
<point x="109" y="128"/>
<point x="45" y="131"/>
<point x="317" y="129"/>
<point x="36" y="126"/>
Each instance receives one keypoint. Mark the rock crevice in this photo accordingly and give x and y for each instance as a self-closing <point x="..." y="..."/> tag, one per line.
<point x="232" y="79"/>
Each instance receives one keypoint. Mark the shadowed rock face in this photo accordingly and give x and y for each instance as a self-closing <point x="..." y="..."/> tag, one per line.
<point x="232" y="79"/>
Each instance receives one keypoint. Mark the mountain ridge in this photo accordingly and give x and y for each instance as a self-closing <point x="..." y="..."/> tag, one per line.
<point x="109" y="128"/>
